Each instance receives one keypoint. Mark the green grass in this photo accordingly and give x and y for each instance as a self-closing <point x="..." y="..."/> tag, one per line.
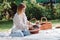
<point x="6" y="25"/>
<point x="55" y="21"/>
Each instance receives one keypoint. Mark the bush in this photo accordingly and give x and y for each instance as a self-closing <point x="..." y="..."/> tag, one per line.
<point x="34" y="10"/>
<point x="57" y="10"/>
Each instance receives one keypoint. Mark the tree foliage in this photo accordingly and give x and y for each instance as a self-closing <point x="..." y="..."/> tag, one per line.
<point x="34" y="8"/>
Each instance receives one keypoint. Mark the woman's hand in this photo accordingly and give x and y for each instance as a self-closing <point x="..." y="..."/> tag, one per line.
<point x="31" y="28"/>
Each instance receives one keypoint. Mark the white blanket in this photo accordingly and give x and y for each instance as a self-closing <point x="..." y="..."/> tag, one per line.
<point x="53" y="34"/>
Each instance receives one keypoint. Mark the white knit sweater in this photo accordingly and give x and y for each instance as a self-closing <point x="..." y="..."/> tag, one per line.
<point x="19" y="23"/>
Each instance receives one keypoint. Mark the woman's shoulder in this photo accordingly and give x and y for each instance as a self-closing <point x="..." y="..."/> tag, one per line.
<point x="16" y="15"/>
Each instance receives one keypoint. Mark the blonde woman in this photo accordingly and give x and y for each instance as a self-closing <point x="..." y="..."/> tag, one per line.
<point x="20" y="27"/>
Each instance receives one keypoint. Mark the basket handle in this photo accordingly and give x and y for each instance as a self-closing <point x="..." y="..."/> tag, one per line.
<point x="33" y="19"/>
<point x="43" y="18"/>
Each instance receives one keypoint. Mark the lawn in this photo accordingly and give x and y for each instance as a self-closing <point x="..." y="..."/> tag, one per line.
<point x="6" y="25"/>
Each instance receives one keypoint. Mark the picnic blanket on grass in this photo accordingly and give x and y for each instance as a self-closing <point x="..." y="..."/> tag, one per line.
<point x="52" y="34"/>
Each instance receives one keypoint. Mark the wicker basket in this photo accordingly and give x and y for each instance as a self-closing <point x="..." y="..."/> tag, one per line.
<point x="45" y="25"/>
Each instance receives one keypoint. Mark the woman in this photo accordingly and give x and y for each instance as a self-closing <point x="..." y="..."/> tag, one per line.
<point x="20" y="26"/>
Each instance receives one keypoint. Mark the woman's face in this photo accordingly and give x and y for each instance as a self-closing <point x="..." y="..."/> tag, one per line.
<point x="23" y="10"/>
